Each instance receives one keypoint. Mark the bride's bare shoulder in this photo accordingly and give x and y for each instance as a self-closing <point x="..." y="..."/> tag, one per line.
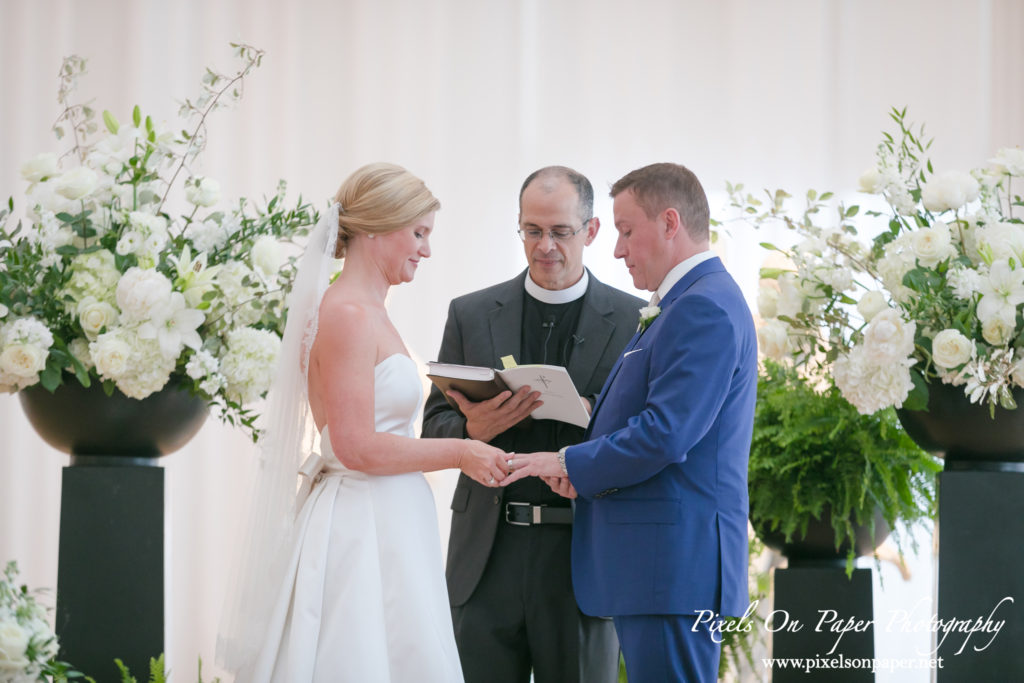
<point x="343" y="310"/>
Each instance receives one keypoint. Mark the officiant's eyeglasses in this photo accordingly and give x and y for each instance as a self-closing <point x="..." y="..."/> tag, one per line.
<point x="557" y="234"/>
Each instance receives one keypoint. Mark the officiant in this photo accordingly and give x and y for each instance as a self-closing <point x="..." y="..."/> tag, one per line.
<point x="508" y="568"/>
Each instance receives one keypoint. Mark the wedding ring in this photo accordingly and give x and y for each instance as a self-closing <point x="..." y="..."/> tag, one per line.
<point x="491" y="482"/>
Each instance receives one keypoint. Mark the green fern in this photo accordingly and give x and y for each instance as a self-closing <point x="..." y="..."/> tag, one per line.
<point x="812" y="450"/>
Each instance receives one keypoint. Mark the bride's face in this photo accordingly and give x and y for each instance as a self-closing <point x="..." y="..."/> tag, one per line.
<point x="404" y="248"/>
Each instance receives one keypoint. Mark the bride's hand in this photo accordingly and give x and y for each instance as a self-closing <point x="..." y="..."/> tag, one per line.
<point x="485" y="464"/>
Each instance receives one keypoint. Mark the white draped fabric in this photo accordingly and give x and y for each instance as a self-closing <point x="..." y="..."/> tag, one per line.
<point x="472" y="96"/>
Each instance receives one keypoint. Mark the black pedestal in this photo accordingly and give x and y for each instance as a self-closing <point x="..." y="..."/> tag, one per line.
<point x="981" y="564"/>
<point x="110" y="572"/>
<point x="821" y="600"/>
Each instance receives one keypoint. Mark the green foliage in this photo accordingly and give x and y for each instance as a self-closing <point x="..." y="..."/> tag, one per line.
<point x="812" y="450"/>
<point x="157" y="672"/>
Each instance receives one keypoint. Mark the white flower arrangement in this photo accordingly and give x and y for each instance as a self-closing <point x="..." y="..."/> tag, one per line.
<point x="102" y="281"/>
<point x="28" y="646"/>
<point x="647" y="316"/>
<point x="935" y="297"/>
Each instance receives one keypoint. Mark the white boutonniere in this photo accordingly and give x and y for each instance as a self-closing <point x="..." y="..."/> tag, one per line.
<point x="647" y="316"/>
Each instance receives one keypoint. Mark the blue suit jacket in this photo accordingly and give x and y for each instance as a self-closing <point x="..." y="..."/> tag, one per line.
<point x="661" y="521"/>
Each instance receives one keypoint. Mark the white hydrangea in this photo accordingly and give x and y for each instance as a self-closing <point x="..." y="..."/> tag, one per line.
<point x="207" y="235"/>
<point x="870" y="386"/>
<point x="95" y="275"/>
<point x="79" y="348"/>
<point x="204" y="366"/>
<point x="965" y="282"/>
<point x="897" y="260"/>
<point x="147" y="236"/>
<point x="141" y="291"/>
<point x="248" y="364"/>
<point x="137" y="366"/>
<point x="239" y="287"/>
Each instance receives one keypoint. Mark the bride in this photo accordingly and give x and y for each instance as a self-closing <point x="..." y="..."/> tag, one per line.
<point x="350" y="588"/>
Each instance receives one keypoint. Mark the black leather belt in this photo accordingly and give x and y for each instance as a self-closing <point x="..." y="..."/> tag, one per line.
<point x="528" y="514"/>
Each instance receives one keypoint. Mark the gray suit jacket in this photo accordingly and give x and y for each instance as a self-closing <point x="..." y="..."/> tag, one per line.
<point x="482" y="327"/>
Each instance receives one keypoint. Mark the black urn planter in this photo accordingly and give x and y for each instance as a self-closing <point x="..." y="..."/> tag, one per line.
<point x="85" y="421"/>
<point x="959" y="430"/>
<point x="110" y="573"/>
<point x="818" y="544"/>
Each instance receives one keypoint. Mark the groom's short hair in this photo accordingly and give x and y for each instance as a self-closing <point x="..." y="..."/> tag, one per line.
<point x="660" y="186"/>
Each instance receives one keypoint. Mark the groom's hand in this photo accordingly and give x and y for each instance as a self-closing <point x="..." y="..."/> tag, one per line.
<point x="533" y="465"/>
<point x="486" y="419"/>
<point x="561" y="485"/>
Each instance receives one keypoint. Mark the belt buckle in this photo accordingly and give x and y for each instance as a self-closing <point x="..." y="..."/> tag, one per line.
<point x="508" y="509"/>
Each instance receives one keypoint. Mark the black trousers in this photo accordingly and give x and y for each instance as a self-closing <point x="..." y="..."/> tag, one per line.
<point x="523" y="616"/>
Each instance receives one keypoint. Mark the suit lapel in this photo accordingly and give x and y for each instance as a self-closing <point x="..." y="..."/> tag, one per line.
<point x="505" y="321"/>
<point x="710" y="266"/>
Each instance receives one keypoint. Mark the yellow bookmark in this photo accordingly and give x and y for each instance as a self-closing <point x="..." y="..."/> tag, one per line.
<point x="508" y="362"/>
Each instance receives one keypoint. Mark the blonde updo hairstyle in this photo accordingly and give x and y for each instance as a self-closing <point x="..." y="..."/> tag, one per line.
<point x="378" y="199"/>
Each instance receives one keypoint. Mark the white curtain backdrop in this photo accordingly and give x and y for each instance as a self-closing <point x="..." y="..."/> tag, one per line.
<point x="473" y="96"/>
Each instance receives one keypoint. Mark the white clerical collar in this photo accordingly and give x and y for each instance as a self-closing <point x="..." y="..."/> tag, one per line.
<point x="557" y="296"/>
<point x="682" y="268"/>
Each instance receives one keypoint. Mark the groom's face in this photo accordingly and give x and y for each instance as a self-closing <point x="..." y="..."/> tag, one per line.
<point x="640" y="242"/>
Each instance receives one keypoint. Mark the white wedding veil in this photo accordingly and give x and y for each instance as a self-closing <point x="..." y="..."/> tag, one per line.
<point x="289" y="436"/>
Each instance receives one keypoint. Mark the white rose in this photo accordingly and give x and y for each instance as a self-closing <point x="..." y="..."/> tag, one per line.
<point x="39" y="167"/>
<point x="76" y="183"/>
<point x="870" y="181"/>
<point x="94" y="315"/>
<point x="267" y="257"/>
<point x="888" y="339"/>
<point x="3" y="311"/>
<point x="768" y="301"/>
<point x="998" y="329"/>
<point x="23" y="360"/>
<point x="110" y="354"/>
<point x="140" y="291"/>
<point x="1000" y="240"/>
<point x="1010" y="161"/>
<point x="871" y="304"/>
<point x="932" y="245"/>
<point x="949" y="191"/>
<point x="950" y="349"/>
<point x="203" y="191"/>
<point x="773" y="338"/>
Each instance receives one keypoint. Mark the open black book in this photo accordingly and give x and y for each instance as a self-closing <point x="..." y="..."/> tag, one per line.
<point x="561" y="400"/>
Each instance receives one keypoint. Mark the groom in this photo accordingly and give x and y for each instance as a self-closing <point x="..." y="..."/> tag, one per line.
<point x="661" y="515"/>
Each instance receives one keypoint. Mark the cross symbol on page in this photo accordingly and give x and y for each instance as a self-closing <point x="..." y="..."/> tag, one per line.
<point x="543" y="380"/>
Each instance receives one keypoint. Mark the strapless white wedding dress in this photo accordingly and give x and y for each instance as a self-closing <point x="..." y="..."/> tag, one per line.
<point x="365" y="599"/>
